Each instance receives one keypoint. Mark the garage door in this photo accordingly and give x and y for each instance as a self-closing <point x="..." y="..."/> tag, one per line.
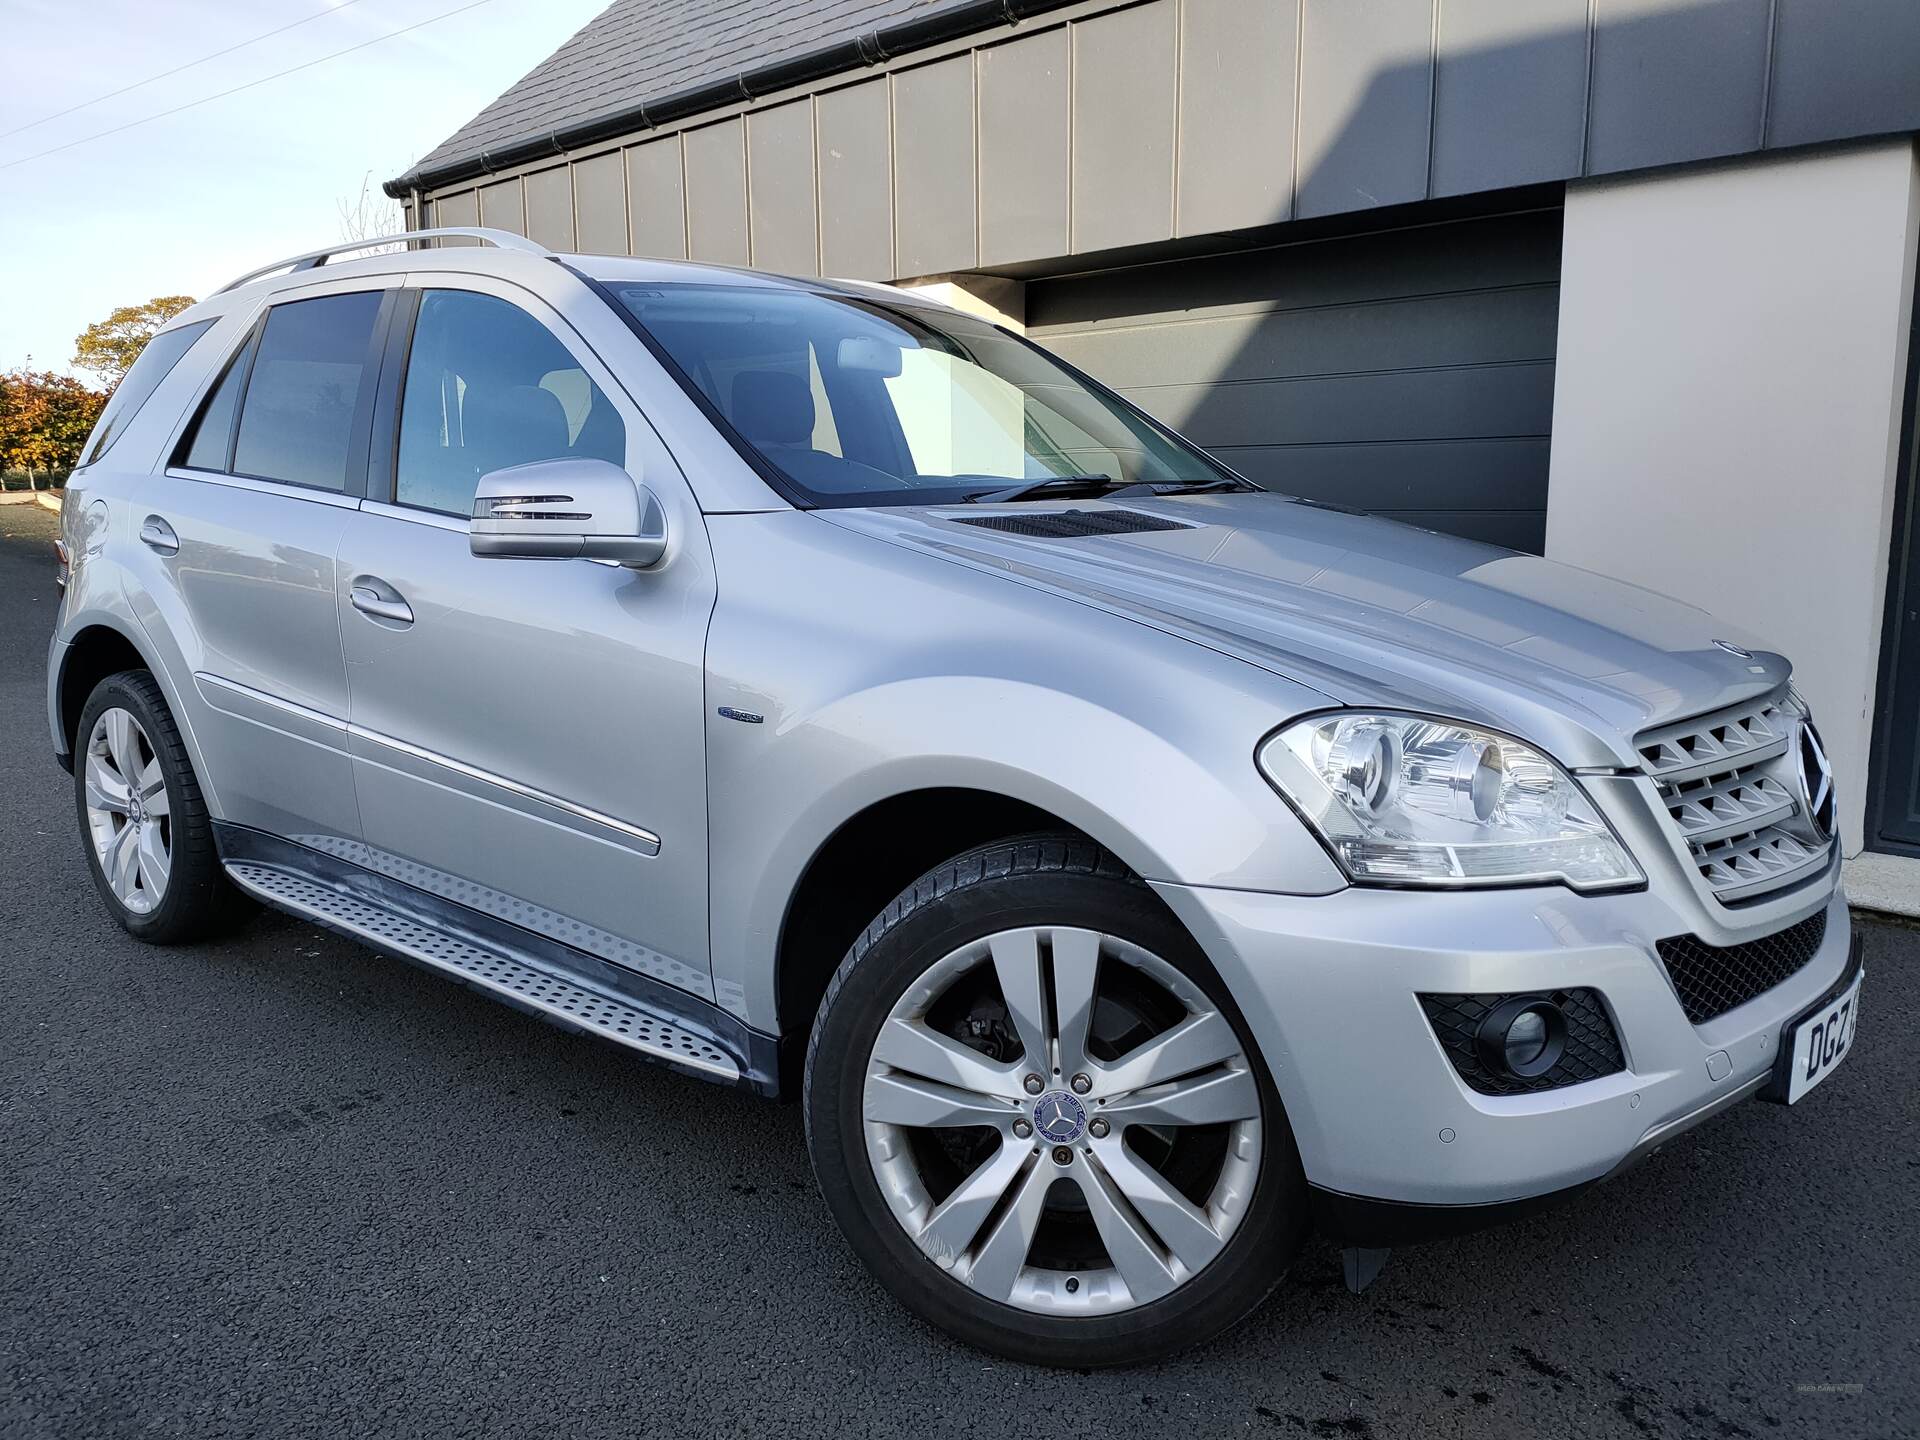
<point x="1408" y="372"/>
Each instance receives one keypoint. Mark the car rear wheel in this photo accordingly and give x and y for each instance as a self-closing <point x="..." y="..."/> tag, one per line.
<point x="1039" y="1119"/>
<point x="148" y="834"/>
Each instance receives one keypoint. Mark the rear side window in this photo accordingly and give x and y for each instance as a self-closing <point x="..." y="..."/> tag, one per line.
<point x="154" y="364"/>
<point x="308" y="384"/>
<point x="211" y="438"/>
<point x="489" y="386"/>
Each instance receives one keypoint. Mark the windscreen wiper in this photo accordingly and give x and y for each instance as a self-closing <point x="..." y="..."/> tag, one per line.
<point x="1089" y="484"/>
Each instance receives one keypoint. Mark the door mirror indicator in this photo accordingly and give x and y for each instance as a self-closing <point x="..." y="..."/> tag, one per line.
<point x="568" y="509"/>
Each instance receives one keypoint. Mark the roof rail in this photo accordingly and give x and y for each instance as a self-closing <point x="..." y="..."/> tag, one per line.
<point x="313" y="259"/>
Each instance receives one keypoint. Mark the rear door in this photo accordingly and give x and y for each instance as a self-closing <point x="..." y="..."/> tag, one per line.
<point x="527" y="734"/>
<point x="234" y="560"/>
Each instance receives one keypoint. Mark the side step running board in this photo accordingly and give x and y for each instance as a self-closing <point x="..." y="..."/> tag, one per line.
<point x="560" y="998"/>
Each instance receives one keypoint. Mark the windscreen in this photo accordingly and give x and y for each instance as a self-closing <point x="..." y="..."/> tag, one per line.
<point x="857" y="402"/>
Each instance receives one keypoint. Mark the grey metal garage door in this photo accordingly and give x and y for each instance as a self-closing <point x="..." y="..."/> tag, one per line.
<point x="1408" y="372"/>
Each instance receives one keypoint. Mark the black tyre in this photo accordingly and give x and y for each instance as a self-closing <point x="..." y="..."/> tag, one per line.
<point x="149" y="839"/>
<point x="1041" y="1121"/>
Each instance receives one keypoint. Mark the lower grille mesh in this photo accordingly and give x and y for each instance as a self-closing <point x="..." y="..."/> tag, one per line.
<point x="1713" y="979"/>
<point x="1592" y="1049"/>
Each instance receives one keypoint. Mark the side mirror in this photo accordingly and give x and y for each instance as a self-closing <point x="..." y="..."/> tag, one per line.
<point x="566" y="509"/>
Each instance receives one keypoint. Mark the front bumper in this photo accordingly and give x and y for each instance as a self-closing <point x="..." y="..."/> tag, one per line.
<point x="1329" y="987"/>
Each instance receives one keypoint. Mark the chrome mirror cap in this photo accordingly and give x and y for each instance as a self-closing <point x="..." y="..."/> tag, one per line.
<point x="568" y="509"/>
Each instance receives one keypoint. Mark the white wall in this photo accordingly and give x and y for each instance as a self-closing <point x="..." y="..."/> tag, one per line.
<point x="1727" y="405"/>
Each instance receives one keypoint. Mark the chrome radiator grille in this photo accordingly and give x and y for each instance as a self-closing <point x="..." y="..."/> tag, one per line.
<point x="1732" y="793"/>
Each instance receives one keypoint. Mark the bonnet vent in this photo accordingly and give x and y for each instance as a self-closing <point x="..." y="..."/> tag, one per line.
<point x="1071" y="524"/>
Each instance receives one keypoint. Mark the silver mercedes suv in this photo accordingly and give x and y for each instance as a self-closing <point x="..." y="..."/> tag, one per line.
<point x="821" y="691"/>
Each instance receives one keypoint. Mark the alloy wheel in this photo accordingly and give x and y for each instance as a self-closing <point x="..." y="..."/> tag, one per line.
<point x="1062" y="1121"/>
<point x="129" y="819"/>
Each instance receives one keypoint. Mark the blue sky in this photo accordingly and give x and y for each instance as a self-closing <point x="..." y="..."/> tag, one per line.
<point x="185" y="203"/>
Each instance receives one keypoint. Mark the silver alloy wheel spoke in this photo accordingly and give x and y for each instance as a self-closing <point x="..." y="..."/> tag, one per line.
<point x="122" y="744"/>
<point x="105" y="789"/>
<point x="1016" y="961"/>
<point x="1003" y="1255"/>
<point x="1196" y="1043"/>
<point x="929" y="1105"/>
<point x="153" y="789"/>
<point x="122" y="863"/>
<point x="951" y="1228"/>
<point x="1182" y="1226"/>
<point x="1130" y="1245"/>
<point x="1210" y="1099"/>
<point x="910" y="1046"/>
<point x="1061" y="1116"/>
<point x="150" y="855"/>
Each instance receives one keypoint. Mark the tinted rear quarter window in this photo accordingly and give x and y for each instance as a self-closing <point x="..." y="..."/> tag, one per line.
<point x="153" y="365"/>
<point x="306" y="387"/>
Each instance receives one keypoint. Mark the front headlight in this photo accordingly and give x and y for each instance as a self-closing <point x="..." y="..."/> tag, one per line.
<point x="1408" y="800"/>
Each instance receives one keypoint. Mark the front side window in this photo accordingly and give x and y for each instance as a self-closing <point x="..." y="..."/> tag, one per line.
<point x="307" y="384"/>
<point x="154" y="363"/>
<point x="488" y="386"/>
<point x="859" y="402"/>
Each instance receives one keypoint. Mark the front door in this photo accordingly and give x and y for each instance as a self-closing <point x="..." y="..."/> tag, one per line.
<point x="527" y="735"/>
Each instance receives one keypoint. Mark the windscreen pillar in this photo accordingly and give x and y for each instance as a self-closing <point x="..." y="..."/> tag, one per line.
<point x="1727" y="405"/>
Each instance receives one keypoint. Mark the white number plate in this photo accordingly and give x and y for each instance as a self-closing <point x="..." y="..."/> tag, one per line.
<point x="1821" y="1042"/>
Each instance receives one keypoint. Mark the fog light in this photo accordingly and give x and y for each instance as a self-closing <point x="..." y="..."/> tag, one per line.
<point x="1524" y="1036"/>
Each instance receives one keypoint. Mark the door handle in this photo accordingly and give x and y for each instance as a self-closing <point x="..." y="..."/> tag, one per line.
<point x="367" y="599"/>
<point x="156" y="534"/>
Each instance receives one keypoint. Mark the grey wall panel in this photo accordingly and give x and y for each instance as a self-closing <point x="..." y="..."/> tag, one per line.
<point x="460" y="208"/>
<point x="1123" y="122"/>
<point x="656" y="199"/>
<point x="933" y="179"/>
<point x="549" y="195"/>
<point x="1408" y="372"/>
<point x="1675" y="82"/>
<point x="855" y="162"/>
<point x="1238" y="64"/>
<point x="1025" y="111"/>
<point x="716" y="158"/>
<point x="1510" y="94"/>
<point x="1366" y="92"/>
<point x="1842" y="68"/>
<point x="502" y="207"/>
<point x="600" y="205"/>
<point x="780" y="210"/>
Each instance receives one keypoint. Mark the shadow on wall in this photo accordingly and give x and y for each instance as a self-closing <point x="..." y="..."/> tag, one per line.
<point x="1410" y="371"/>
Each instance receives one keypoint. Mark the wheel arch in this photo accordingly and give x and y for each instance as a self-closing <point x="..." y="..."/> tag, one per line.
<point x="95" y="651"/>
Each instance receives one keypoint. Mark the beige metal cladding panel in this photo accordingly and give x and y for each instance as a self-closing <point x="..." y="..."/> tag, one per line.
<point x="550" y="207"/>
<point x="502" y="207"/>
<point x="781" y="214"/>
<point x="1238" y="66"/>
<point x="1123" y="121"/>
<point x="462" y="208"/>
<point x="1366" y="90"/>
<point x="1025" y="160"/>
<point x="933" y="180"/>
<point x="600" y="205"/>
<point x="855" y="160"/>
<point x="717" y="193"/>
<point x="657" y="199"/>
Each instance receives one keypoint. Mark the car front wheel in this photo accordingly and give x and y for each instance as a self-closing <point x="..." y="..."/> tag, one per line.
<point x="1039" y="1120"/>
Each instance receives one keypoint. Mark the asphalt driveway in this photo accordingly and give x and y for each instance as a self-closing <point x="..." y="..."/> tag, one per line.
<point x="281" y="1186"/>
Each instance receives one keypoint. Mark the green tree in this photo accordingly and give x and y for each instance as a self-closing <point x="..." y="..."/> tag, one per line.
<point x="109" y="347"/>
<point x="44" y="419"/>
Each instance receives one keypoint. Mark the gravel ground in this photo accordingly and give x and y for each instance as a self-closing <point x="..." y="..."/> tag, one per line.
<point x="282" y="1186"/>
